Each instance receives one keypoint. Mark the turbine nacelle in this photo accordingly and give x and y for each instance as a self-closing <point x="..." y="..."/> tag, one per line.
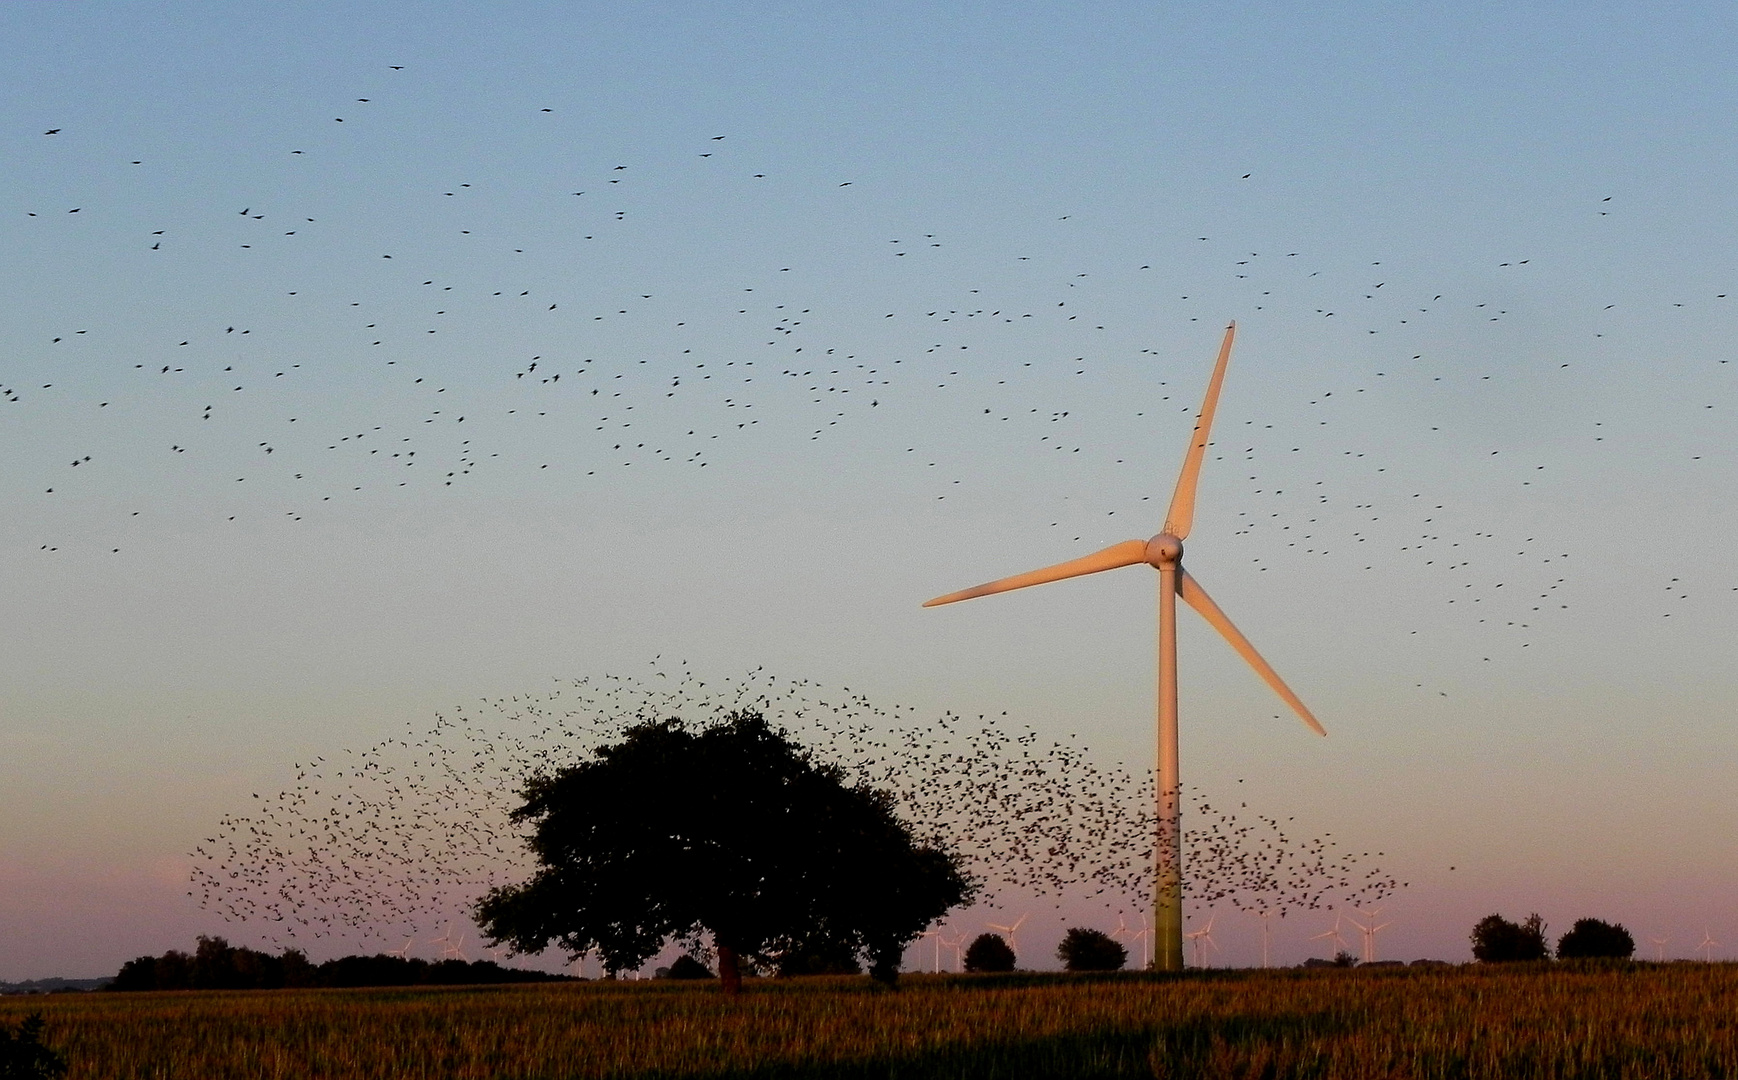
<point x="1164" y="549"/>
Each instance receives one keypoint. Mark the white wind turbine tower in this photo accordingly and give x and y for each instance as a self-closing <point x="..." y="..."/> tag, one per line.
<point x="1660" y="947"/>
<point x="1164" y="553"/>
<point x="1333" y="933"/>
<point x="451" y="948"/>
<point x="958" y="941"/>
<point x="1368" y="929"/>
<point x="1122" y="929"/>
<point x="1142" y="935"/>
<point x="1145" y="934"/>
<point x="936" y="934"/>
<point x="1012" y="934"/>
<point x="1201" y="939"/>
<point x="1266" y="917"/>
<point x="1706" y="948"/>
<point x="403" y="951"/>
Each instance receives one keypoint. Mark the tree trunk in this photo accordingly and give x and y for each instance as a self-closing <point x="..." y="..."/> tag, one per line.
<point x="728" y="973"/>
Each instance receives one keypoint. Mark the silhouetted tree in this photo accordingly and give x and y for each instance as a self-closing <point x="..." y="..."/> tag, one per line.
<point x="686" y="967"/>
<point x="1090" y="950"/>
<point x="1497" y="940"/>
<point x="24" y="1056"/>
<point x="732" y="830"/>
<point x="1591" y="938"/>
<point x="988" y="952"/>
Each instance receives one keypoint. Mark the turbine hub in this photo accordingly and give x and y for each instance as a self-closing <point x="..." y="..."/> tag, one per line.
<point x="1164" y="548"/>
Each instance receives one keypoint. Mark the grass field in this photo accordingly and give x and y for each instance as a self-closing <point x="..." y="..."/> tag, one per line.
<point x="1671" y="1022"/>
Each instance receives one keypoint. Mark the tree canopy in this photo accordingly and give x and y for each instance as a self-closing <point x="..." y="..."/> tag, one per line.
<point x="732" y="830"/>
<point x="1497" y="940"/>
<point x="1083" y="949"/>
<point x="1595" y="939"/>
<point x="989" y="952"/>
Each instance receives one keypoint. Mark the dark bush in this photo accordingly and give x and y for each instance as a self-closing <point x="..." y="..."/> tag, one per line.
<point x="23" y="1056"/>
<point x="1496" y="940"/>
<point x="686" y="967"/>
<point x="988" y="952"/>
<point x="1090" y="950"/>
<point x="1592" y="939"/>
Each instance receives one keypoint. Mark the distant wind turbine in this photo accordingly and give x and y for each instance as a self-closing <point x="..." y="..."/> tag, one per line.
<point x="1334" y="934"/>
<point x="1143" y="935"/>
<point x="1012" y="932"/>
<point x="1706" y="948"/>
<point x="451" y="947"/>
<point x="936" y="934"/>
<point x="1660" y="947"/>
<point x="1202" y="939"/>
<point x="1368" y="929"/>
<point x="954" y="944"/>
<point x="1266" y="918"/>
<point x="1164" y="553"/>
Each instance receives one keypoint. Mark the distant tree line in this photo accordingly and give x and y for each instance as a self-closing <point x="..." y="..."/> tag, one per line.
<point x="1496" y="940"/>
<point x="217" y="965"/>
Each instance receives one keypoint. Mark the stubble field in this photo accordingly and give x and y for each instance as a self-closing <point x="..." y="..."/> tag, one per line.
<point x="1672" y="1022"/>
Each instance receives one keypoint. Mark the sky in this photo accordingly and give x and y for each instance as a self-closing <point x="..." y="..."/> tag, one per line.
<point x="851" y="307"/>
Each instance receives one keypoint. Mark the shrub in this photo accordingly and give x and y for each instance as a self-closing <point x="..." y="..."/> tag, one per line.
<point x="988" y="952"/>
<point x="1496" y="940"/>
<point x="1591" y="938"/>
<point x="686" y="967"/>
<point x="1090" y="950"/>
<point x="23" y="1055"/>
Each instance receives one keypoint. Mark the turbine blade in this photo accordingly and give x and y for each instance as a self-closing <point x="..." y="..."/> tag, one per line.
<point x="1127" y="553"/>
<point x="1182" y="512"/>
<point x="1196" y="597"/>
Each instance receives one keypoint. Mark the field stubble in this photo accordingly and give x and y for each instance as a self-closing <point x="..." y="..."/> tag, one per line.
<point x="1671" y="1021"/>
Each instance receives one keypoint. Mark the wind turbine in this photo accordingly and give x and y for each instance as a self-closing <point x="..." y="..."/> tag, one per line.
<point x="403" y="951"/>
<point x="450" y="947"/>
<point x="1013" y="933"/>
<point x="1124" y="930"/>
<point x="1201" y="939"/>
<point x="1333" y="933"/>
<point x="959" y="939"/>
<point x="1266" y="916"/>
<point x="1706" y="948"/>
<point x="1369" y="931"/>
<point x="1164" y="553"/>
<point x="936" y="934"/>
<point x="1660" y="947"/>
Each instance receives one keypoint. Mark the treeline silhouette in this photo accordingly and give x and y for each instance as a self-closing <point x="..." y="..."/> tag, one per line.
<point x="217" y="965"/>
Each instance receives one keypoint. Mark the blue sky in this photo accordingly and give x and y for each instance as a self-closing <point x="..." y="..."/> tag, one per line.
<point x="1470" y="488"/>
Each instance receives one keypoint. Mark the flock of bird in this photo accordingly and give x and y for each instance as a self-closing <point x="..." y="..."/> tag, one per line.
<point x="349" y="362"/>
<point x="403" y="836"/>
<point x="325" y="372"/>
